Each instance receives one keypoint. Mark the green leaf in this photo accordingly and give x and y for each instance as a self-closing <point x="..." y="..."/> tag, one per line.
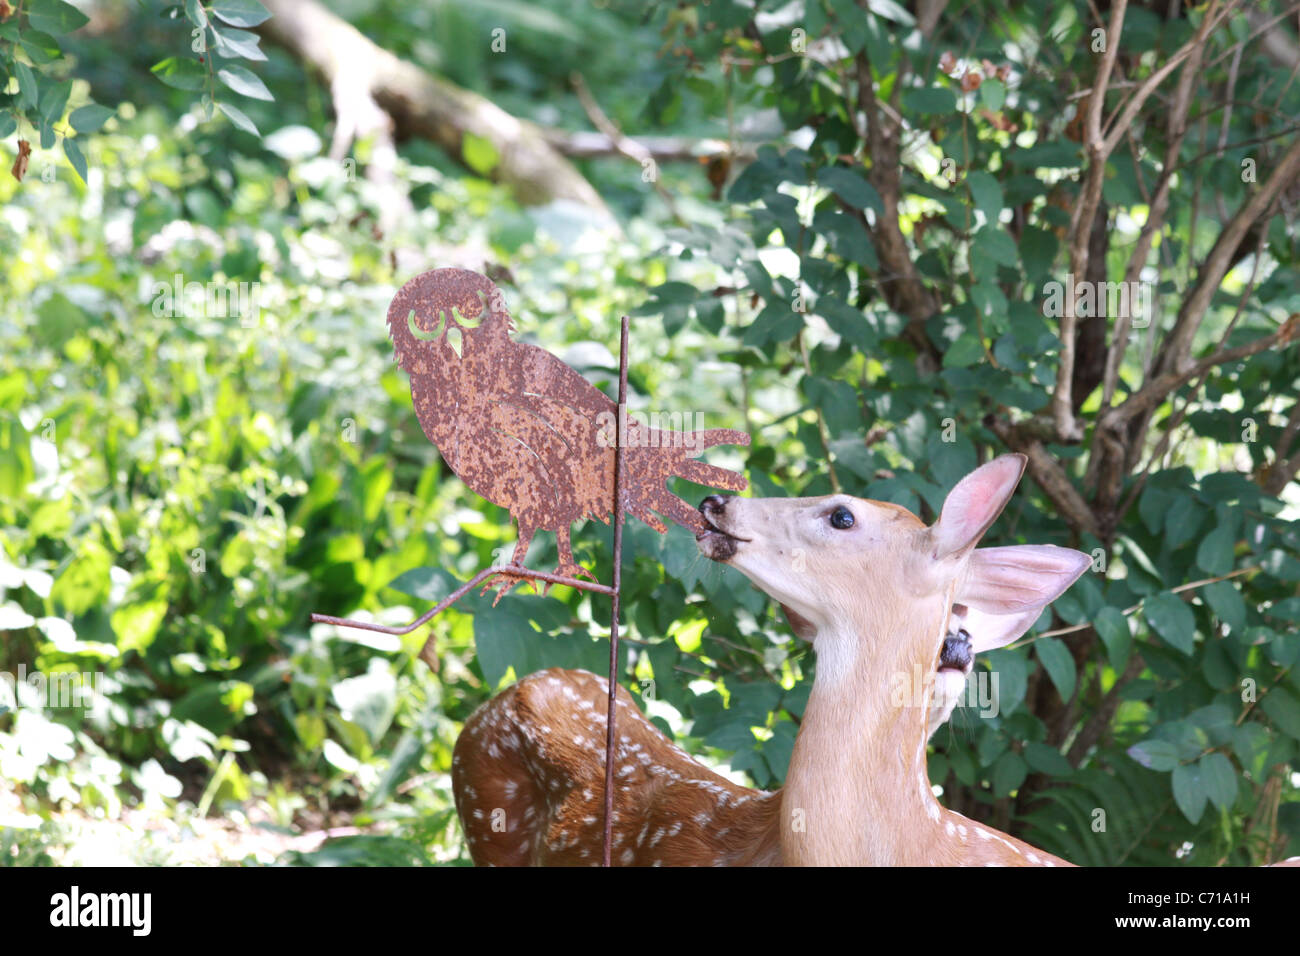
<point x="1009" y="772"/>
<point x="1214" y="553"/>
<point x="55" y="16"/>
<point x="1172" y="619"/>
<point x="237" y="117"/>
<point x="1281" y="565"/>
<point x="1288" y="609"/>
<point x="1220" y="780"/>
<point x="1010" y="673"/>
<point x="848" y="323"/>
<point x="500" y="644"/>
<point x="7" y="124"/>
<point x="84" y="583"/>
<point x="16" y="467"/>
<point x="244" y="83"/>
<point x="892" y="11"/>
<point x="237" y="555"/>
<point x="406" y="755"/>
<point x="1154" y="754"/>
<point x="967" y="350"/>
<point x="1183" y="519"/>
<point x="1250" y="742"/>
<point x="987" y="195"/>
<point x="41" y="47"/>
<point x="850" y="186"/>
<point x="1189" y="791"/>
<point x="181" y="73"/>
<point x="136" y="625"/>
<point x="1226" y="602"/>
<point x="368" y="700"/>
<point x="1059" y="663"/>
<point x="480" y="154"/>
<point x="240" y="13"/>
<point x="1045" y="759"/>
<point x="194" y="11"/>
<point x="216" y="706"/>
<point x="28" y="92"/>
<point x="53" y="100"/>
<point x="987" y="297"/>
<point x="846" y="236"/>
<point x="73" y="152"/>
<point x="1037" y="250"/>
<point x="993" y="94"/>
<point x="777" y="323"/>
<point x="233" y="43"/>
<point x="88" y="119"/>
<point x="1284" y="709"/>
<point x="992" y="241"/>
<point x="60" y="320"/>
<point x="1112" y="627"/>
<point x="930" y="99"/>
<point x="1152" y="507"/>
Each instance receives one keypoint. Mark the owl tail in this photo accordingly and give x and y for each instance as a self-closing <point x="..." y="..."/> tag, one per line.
<point x="652" y="456"/>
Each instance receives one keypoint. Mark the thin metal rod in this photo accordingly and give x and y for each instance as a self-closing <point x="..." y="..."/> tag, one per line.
<point x="516" y="570"/>
<point x="618" y="581"/>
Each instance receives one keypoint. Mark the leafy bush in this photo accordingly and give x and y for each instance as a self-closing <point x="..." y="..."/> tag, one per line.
<point x="179" y="489"/>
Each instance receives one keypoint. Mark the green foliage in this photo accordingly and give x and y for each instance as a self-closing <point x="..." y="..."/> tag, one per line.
<point x="181" y="486"/>
<point x="989" y="174"/>
<point x="35" y="70"/>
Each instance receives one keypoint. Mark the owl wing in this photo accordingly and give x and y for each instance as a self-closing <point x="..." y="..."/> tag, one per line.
<point x="515" y="458"/>
<point x="543" y="375"/>
<point x="584" y="417"/>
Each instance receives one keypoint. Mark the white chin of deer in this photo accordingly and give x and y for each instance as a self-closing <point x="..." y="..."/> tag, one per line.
<point x="949" y="688"/>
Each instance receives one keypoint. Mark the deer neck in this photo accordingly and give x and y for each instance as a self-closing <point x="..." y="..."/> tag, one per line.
<point x="857" y="792"/>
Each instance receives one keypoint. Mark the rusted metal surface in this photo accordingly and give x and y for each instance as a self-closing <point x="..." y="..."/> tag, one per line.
<point x="527" y="432"/>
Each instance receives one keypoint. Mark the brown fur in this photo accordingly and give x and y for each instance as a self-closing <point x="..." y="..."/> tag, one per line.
<point x="534" y="755"/>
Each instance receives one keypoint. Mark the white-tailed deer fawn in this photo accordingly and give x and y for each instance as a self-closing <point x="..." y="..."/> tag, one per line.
<point x="878" y="593"/>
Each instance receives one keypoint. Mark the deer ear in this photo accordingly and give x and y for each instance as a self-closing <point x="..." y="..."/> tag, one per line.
<point x="988" y="632"/>
<point x="1005" y="589"/>
<point x="974" y="504"/>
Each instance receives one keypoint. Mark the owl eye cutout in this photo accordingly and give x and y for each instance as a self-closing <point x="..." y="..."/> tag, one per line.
<point x="842" y="518"/>
<point x="471" y="323"/>
<point x="418" y="332"/>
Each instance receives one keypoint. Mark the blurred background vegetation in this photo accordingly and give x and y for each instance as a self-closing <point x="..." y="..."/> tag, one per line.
<point x="834" y="225"/>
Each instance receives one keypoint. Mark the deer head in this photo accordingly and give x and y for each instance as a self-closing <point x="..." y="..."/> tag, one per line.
<point x="877" y="592"/>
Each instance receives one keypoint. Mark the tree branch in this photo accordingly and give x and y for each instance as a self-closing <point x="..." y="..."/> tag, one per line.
<point x="1158" y="207"/>
<point x="583" y="144"/>
<point x="1178" y="343"/>
<point x="1068" y="426"/>
<point x="425" y="106"/>
<point x="1048" y="475"/>
<point x="625" y="145"/>
<point x="1155" y="390"/>
<point x="1277" y="475"/>
<point x="901" y="283"/>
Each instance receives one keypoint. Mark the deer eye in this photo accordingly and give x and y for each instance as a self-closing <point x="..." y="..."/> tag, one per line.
<point x="842" y="518"/>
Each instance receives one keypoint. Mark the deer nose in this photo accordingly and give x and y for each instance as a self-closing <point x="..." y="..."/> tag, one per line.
<point x="956" y="652"/>
<point x="713" y="505"/>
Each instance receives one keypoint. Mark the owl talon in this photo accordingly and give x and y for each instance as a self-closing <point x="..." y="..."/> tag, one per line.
<point x="503" y="581"/>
